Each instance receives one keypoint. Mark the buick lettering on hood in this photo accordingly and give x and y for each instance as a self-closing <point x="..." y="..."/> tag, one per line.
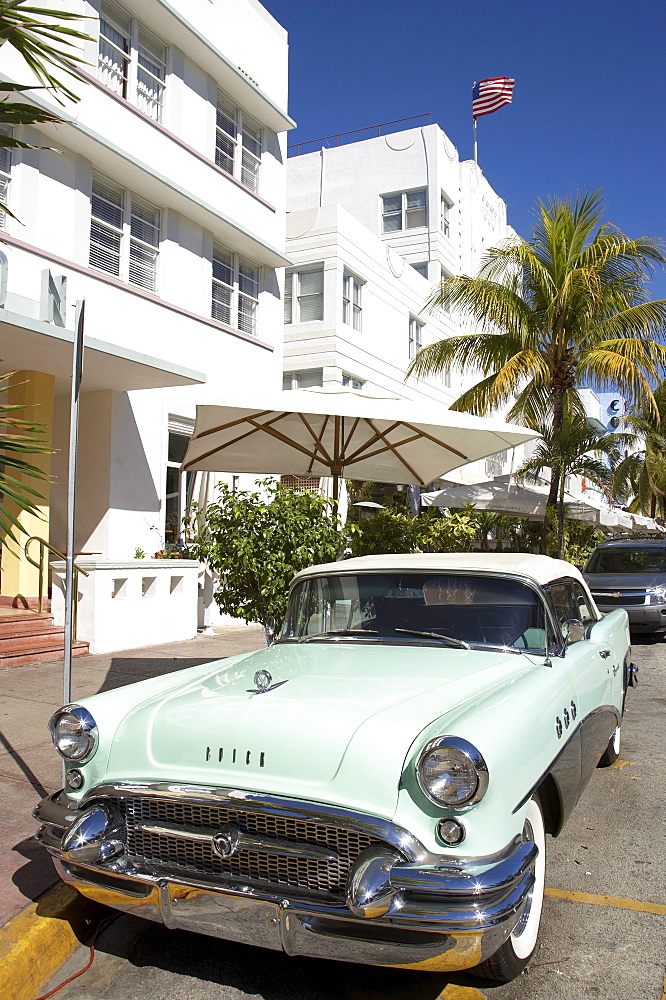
<point x="376" y="786"/>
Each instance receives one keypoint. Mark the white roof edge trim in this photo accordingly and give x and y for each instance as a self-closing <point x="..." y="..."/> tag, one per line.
<point x="288" y="122"/>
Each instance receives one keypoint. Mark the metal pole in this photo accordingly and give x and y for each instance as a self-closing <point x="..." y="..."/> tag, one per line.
<point x="70" y="596"/>
<point x="476" y="148"/>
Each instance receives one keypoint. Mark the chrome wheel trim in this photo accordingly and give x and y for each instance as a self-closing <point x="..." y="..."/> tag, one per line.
<point x="616" y="740"/>
<point x="524" y="935"/>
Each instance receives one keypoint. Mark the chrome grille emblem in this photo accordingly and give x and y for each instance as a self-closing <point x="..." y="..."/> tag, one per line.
<point x="225" y="841"/>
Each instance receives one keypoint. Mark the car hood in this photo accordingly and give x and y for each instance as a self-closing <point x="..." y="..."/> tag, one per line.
<point x="624" y="581"/>
<point x="338" y="730"/>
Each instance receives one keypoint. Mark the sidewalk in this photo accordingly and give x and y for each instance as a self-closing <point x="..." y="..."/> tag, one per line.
<point x="30" y="768"/>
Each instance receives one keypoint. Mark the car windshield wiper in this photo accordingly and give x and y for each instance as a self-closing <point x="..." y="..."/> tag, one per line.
<point x="339" y="631"/>
<point x="447" y="639"/>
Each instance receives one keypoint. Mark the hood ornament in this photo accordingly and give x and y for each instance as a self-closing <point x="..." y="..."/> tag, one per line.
<point x="262" y="680"/>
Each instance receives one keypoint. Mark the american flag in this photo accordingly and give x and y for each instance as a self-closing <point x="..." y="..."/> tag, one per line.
<point x="489" y="95"/>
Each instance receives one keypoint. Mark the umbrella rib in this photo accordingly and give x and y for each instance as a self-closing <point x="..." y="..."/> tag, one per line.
<point x="434" y="440"/>
<point x="317" y="439"/>
<point x="380" y="451"/>
<point x="373" y="440"/>
<point x="257" y="427"/>
<point x="239" y="420"/>
<point x="345" y="443"/>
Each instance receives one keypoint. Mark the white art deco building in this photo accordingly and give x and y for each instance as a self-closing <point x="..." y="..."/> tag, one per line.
<point x="372" y="227"/>
<point x="161" y="202"/>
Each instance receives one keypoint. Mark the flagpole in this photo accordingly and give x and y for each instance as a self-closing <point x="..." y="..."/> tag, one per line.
<point x="476" y="150"/>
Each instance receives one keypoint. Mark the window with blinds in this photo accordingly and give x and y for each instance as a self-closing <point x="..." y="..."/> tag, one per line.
<point x="235" y="290"/>
<point x="132" y="61"/>
<point x="144" y="243"/>
<point x="404" y="210"/>
<point x="106" y="225"/>
<point x="351" y="300"/>
<point x="5" y="172"/>
<point x="151" y="73"/>
<point x="311" y="378"/>
<point x="238" y="142"/>
<point x="119" y="220"/>
<point x="415" y="337"/>
<point x="304" y="295"/>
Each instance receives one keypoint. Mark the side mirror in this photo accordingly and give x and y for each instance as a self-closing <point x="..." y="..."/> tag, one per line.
<point x="575" y="631"/>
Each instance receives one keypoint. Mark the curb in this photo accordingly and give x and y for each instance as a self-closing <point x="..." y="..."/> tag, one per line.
<point x="37" y="942"/>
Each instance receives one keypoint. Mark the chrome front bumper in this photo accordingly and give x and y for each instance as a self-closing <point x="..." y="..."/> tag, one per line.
<point x="404" y="909"/>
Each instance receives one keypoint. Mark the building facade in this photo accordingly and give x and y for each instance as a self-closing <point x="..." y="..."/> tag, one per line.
<point x="160" y="202"/>
<point x="372" y="227"/>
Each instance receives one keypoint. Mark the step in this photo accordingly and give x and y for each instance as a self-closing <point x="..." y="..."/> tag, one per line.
<point x="34" y="637"/>
<point x="7" y="601"/>
<point x="29" y="654"/>
<point x="19" y="625"/>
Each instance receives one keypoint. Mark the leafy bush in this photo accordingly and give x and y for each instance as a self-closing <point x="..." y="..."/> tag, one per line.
<point x="255" y="543"/>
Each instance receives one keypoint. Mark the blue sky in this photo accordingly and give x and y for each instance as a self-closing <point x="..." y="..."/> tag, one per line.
<point x="589" y="102"/>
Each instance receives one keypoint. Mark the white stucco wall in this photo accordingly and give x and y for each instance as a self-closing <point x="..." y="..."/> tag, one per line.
<point x="237" y="46"/>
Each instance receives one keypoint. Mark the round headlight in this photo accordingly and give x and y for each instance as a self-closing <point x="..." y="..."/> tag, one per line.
<point x="74" y="732"/>
<point x="452" y="772"/>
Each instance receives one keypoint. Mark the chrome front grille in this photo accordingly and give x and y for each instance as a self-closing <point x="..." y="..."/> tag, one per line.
<point x="614" y="600"/>
<point x="170" y="850"/>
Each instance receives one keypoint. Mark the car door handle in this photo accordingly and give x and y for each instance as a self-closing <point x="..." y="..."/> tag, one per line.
<point x="604" y="653"/>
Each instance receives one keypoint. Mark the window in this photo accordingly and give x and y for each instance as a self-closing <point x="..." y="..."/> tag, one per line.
<point x="445" y="210"/>
<point x="238" y="140"/>
<point x="406" y="210"/>
<point x="131" y="60"/>
<point x="422" y="268"/>
<point x="351" y="300"/>
<point x="415" y="337"/>
<point x="304" y="295"/>
<point x="570" y="602"/>
<point x="308" y="379"/>
<point x="124" y="234"/>
<point x="351" y="382"/>
<point x="5" y="171"/>
<point x="177" y="482"/>
<point x="235" y="294"/>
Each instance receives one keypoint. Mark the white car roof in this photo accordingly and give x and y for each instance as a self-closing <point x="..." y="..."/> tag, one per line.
<point x="541" y="569"/>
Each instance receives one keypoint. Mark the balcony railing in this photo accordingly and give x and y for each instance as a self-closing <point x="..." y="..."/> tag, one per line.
<point x="358" y="134"/>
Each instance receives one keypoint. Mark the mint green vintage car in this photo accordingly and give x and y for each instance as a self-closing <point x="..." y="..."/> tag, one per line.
<point x="374" y="787"/>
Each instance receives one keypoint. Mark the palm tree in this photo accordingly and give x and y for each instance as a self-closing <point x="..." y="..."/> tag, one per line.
<point x="567" y="452"/>
<point x="18" y="438"/>
<point x="47" y="43"/>
<point x="641" y="476"/>
<point x="566" y="305"/>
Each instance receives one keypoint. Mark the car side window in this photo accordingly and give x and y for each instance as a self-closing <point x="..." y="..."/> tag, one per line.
<point x="581" y="601"/>
<point x="570" y="604"/>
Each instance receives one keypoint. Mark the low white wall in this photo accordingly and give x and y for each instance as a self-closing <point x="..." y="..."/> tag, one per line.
<point x="122" y="605"/>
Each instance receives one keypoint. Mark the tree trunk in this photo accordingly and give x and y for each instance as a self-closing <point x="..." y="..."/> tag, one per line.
<point x="560" y="522"/>
<point x="556" y="480"/>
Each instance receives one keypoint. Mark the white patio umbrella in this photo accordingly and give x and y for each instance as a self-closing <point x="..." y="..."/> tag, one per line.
<point x="342" y="432"/>
<point x="496" y="495"/>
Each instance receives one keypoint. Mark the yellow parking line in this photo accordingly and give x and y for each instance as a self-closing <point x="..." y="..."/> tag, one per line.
<point x="460" y="993"/>
<point x="617" y="901"/>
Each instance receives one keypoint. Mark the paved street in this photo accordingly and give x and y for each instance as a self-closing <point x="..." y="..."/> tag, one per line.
<point x="613" y="846"/>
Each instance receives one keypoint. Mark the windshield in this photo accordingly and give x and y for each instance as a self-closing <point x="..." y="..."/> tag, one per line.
<point x="646" y="559"/>
<point x="478" y="610"/>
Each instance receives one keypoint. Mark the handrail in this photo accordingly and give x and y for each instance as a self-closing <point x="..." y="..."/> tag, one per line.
<point x="42" y="565"/>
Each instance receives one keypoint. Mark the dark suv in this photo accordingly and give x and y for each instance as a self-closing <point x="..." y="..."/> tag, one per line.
<point x="631" y="574"/>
